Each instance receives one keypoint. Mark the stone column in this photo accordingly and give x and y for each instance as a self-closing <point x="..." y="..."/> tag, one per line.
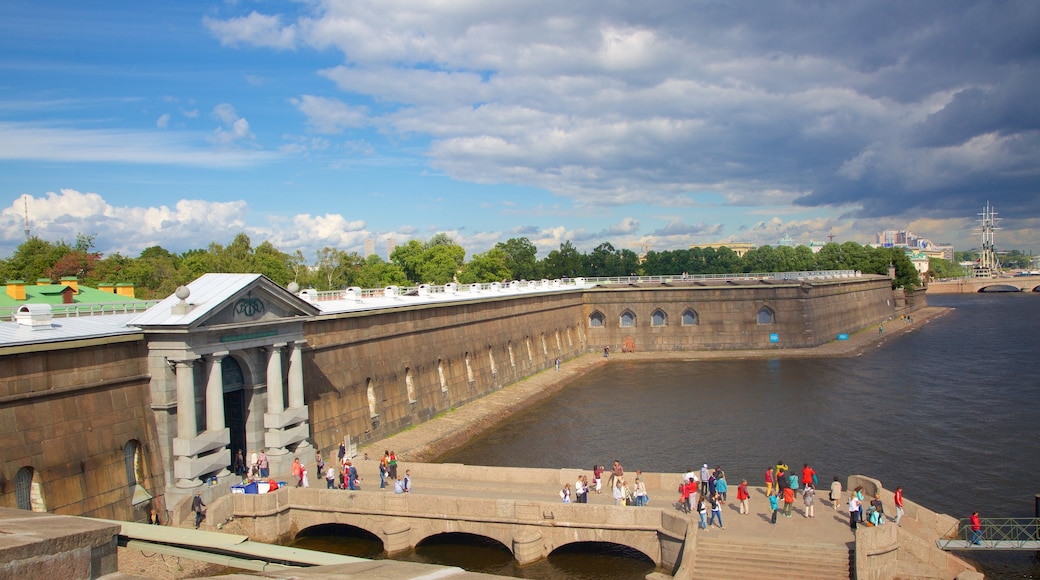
<point x="215" y="401"/>
<point x="275" y="402"/>
<point x="187" y="426"/>
<point x="215" y="393"/>
<point x="296" y="375"/>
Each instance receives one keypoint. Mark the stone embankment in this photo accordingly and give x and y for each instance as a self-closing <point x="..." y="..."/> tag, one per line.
<point x="433" y="438"/>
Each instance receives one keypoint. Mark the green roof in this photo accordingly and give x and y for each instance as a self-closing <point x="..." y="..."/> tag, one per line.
<point x="51" y="294"/>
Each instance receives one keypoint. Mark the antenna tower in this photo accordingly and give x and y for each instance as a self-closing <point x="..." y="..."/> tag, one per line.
<point x="25" y="201"/>
<point x="987" y="263"/>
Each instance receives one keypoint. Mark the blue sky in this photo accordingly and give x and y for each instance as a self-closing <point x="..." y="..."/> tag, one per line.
<point x="325" y="123"/>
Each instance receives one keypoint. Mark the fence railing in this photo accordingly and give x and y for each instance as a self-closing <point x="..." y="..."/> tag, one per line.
<point x="996" y="533"/>
<point x="77" y="310"/>
<point x="431" y="290"/>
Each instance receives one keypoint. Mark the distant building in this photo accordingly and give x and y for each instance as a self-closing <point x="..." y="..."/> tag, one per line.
<point x="740" y="248"/>
<point x="908" y="239"/>
<point x="391" y="245"/>
<point x="816" y="246"/>
<point x="787" y="240"/>
<point x="67" y="291"/>
<point x="370" y="247"/>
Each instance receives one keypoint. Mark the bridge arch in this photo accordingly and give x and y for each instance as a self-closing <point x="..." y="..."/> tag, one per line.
<point x="602" y="548"/>
<point x="354" y="540"/>
<point x="999" y="288"/>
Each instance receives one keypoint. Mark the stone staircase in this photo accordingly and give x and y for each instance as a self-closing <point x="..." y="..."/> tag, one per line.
<point x="738" y="559"/>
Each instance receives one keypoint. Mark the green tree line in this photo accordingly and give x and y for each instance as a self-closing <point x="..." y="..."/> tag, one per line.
<point x="157" y="272"/>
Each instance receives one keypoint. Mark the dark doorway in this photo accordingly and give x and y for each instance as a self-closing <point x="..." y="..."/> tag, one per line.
<point x="234" y="407"/>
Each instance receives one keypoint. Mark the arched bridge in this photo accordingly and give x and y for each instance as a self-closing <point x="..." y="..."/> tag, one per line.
<point x="530" y="529"/>
<point x="973" y="285"/>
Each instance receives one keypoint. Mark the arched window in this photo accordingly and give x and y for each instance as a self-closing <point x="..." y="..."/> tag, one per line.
<point x="690" y="318"/>
<point x="512" y="358"/>
<point x="28" y="491"/>
<point x="409" y="384"/>
<point x="628" y="319"/>
<point x="469" y="370"/>
<point x="766" y="315"/>
<point x="132" y="462"/>
<point x="135" y="472"/>
<point x="371" y="398"/>
<point x="596" y="319"/>
<point x="491" y="359"/>
<point x="440" y="376"/>
<point x="658" y="318"/>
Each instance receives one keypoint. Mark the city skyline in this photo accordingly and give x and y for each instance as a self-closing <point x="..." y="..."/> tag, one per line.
<point x="328" y="123"/>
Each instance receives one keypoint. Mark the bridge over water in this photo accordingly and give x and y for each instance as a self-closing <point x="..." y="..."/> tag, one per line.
<point x="520" y="509"/>
<point x="974" y="285"/>
<point x="996" y="534"/>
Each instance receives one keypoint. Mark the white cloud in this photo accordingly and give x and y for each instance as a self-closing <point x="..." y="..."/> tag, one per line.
<point x="255" y="29"/>
<point x="39" y="142"/>
<point x="235" y="129"/>
<point x="163" y="121"/>
<point x="326" y="115"/>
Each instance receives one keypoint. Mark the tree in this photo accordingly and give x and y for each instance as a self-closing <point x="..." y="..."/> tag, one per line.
<point x="441" y="263"/>
<point x="34" y="258"/>
<point x="375" y="273"/>
<point x="562" y="263"/>
<point x="409" y="258"/>
<point x="488" y="267"/>
<point x="273" y="263"/>
<point x="520" y="256"/>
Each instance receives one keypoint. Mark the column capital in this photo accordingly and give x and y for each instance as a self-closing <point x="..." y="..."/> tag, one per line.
<point x="182" y="361"/>
<point x="219" y="355"/>
<point x="300" y="343"/>
<point x="276" y="347"/>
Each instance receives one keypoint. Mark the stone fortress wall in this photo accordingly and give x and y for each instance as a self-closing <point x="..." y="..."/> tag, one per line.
<point x="69" y="411"/>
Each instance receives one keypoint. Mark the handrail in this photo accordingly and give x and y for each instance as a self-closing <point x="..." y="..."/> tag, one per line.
<point x="996" y="533"/>
<point x="561" y="283"/>
<point x="84" y="309"/>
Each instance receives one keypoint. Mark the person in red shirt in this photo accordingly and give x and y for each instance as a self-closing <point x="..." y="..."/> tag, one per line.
<point x="769" y="480"/>
<point x="807" y="475"/>
<point x="743" y="495"/>
<point x="976" y="529"/>
<point x="788" y="500"/>
<point x="899" y="504"/>
<point x="297" y="472"/>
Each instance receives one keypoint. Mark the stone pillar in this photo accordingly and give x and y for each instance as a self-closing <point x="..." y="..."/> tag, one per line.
<point x="215" y="393"/>
<point x="187" y="426"/>
<point x="527" y="547"/>
<point x="215" y="400"/>
<point x="397" y="537"/>
<point x="296" y="375"/>
<point x="275" y="402"/>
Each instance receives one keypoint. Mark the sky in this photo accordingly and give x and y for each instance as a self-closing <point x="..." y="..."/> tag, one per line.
<point x="660" y="125"/>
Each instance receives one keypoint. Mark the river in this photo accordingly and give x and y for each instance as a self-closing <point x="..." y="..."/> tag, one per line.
<point x="949" y="411"/>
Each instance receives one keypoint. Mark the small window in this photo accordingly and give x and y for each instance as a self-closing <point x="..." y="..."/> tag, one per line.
<point x="409" y="384"/>
<point x="371" y="392"/>
<point x="765" y="315"/>
<point x="596" y="320"/>
<point x="659" y="318"/>
<point x="28" y="490"/>
<point x="690" y="318"/>
<point x="628" y="319"/>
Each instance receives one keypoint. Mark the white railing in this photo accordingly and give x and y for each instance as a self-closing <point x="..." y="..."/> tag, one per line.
<point x="77" y="310"/>
<point x="491" y="288"/>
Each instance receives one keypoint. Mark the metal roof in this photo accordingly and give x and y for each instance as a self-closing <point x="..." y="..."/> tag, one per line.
<point x="64" y="329"/>
<point x="206" y="293"/>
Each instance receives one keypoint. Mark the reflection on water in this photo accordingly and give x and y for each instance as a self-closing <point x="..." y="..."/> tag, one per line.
<point x="580" y="561"/>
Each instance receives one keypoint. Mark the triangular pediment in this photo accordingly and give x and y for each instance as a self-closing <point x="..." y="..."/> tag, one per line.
<point x="215" y="300"/>
<point x="256" y="303"/>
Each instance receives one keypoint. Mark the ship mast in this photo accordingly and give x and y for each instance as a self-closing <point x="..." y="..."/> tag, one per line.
<point x="987" y="265"/>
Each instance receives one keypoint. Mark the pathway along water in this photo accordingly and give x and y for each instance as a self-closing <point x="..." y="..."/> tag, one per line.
<point x="948" y="411"/>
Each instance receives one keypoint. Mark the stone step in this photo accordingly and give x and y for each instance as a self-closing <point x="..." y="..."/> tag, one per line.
<point x="724" y="559"/>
